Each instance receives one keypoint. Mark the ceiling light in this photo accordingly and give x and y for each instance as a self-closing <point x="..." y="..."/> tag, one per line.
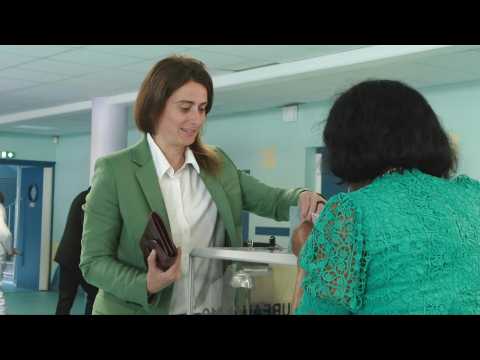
<point x="35" y="127"/>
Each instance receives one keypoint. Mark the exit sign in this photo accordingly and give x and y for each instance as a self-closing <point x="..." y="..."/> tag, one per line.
<point x="7" y="154"/>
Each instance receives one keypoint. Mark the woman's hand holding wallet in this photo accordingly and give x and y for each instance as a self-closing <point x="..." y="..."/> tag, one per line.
<point x="158" y="279"/>
<point x="160" y="254"/>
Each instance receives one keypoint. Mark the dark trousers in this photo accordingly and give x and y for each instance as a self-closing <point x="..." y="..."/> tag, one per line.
<point x="69" y="282"/>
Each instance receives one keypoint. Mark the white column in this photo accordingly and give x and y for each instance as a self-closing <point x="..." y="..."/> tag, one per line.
<point x="109" y="129"/>
<point x="46" y="240"/>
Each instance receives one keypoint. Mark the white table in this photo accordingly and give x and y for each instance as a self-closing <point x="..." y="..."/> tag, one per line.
<point x="245" y="254"/>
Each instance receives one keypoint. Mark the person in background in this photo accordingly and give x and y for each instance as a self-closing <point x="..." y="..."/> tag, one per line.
<point x="68" y="258"/>
<point x="196" y="189"/>
<point x="406" y="238"/>
<point x="6" y="249"/>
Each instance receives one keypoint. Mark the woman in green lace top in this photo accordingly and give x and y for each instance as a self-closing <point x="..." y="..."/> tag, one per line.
<point x="406" y="240"/>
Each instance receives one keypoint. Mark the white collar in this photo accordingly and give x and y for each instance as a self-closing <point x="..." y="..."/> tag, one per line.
<point x="161" y="163"/>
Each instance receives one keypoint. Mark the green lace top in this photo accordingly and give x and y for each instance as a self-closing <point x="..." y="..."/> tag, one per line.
<point x="405" y="244"/>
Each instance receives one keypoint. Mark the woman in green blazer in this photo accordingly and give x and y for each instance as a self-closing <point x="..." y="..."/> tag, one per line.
<point x="172" y="173"/>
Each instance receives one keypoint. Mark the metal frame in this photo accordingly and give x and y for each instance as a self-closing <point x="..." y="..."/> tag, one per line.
<point x="16" y="162"/>
<point x="254" y="255"/>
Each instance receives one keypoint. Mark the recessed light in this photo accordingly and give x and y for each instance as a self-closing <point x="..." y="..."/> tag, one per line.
<point x="35" y="127"/>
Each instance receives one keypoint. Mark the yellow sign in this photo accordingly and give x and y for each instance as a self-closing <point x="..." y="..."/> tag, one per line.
<point x="269" y="157"/>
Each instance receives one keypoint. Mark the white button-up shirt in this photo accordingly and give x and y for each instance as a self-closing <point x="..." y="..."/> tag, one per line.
<point x="193" y="217"/>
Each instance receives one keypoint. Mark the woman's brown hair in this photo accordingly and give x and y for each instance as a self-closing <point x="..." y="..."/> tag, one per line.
<point x="167" y="76"/>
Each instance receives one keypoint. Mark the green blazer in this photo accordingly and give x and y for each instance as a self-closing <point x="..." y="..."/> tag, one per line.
<point x="124" y="191"/>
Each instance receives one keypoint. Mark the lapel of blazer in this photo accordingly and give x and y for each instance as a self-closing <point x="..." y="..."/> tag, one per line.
<point x="219" y="196"/>
<point x="148" y="180"/>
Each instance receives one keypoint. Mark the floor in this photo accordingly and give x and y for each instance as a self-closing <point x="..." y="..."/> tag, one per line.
<point x="27" y="302"/>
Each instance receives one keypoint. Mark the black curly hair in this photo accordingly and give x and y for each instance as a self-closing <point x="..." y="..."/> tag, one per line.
<point x="381" y="124"/>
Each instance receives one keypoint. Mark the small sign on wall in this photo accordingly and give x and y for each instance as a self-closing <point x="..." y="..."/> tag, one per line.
<point x="269" y="157"/>
<point x="290" y="113"/>
<point x="7" y="154"/>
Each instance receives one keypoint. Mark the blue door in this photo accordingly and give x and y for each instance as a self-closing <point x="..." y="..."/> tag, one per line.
<point x="27" y="265"/>
<point x="331" y="185"/>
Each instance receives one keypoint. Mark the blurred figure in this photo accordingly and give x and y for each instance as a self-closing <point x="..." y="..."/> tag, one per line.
<point x="6" y="249"/>
<point x="68" y="257"/>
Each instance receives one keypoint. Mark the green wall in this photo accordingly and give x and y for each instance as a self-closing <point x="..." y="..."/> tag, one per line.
<point x="71" y="177"/>
<point x="458" y="107"/>
<point x="28" y="147"/>
<point x="273" y="150"/>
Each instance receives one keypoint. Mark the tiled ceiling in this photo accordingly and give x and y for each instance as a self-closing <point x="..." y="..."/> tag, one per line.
<point x="40" y="76"/>
<point x="326" y="86"/>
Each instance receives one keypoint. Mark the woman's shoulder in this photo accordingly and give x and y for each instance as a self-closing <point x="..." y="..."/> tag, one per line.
<point x="405" y="181"/>
<point x="377" y="196"/>
<point x="227" y="162"/>
<point x="343" y="204"/>
<point x="138" y="153"/>
<point x="219" y="151"/>
<point x="457" y="185"/>
<point x="467" y="182"/>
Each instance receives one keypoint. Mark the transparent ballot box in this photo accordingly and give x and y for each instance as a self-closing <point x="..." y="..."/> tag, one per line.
<point x="241" y="281"/>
